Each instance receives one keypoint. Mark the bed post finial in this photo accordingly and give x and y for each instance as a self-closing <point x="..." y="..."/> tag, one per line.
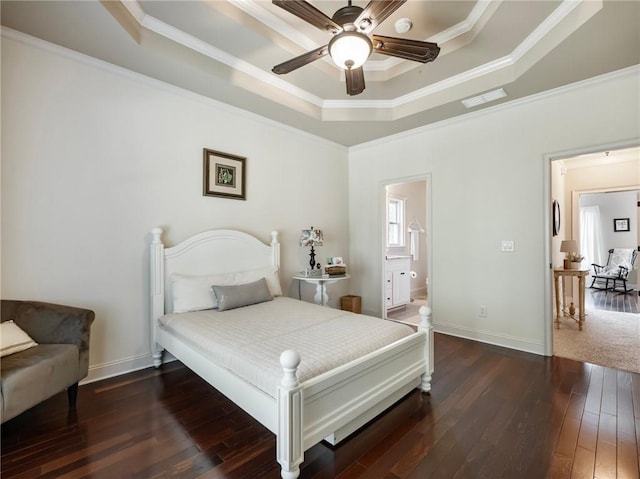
<point x="275" y="248"/>
<point x="427" y="326"/>
<point x="425" y="316"/>
<point x="289" y="360"/>
<point x="156" y="233"/>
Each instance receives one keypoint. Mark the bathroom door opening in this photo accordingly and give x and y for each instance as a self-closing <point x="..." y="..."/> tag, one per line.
<point x="405" y="251"/>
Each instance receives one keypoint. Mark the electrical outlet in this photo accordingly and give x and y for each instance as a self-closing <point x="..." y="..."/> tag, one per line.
<point x="483" y="311"/>
<point x="507" y="246"/>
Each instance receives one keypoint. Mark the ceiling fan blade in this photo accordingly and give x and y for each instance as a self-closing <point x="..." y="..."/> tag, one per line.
<point x="375" y="13"/>
<point x="355" y="81"/>
<point x="415" y="50"/>
<point x="300" y="61"/>
<point x="310" y="14"/>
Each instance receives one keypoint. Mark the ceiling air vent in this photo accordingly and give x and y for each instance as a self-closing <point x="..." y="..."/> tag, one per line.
<point x="484" y="98"/>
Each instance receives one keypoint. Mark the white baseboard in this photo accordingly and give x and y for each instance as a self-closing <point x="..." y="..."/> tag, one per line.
<point x="419" y="292"/>
<point x="123" y="366"/>
<point x="505" y="341"/>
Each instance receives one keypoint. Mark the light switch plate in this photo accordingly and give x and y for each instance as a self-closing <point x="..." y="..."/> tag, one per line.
<point x="508" y="246"/>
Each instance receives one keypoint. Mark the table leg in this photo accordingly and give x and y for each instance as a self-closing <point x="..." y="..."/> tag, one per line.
<point x="557" y="289"/>
<point x="318" y="298"/>
<point x="325" y="296"/>
<point x="581" y="301"/>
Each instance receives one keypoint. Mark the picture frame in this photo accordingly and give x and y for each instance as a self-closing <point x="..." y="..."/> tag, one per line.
<point x="620" y="224"/>
<point x="224" y="175"/>
<point x="556" y="217"/>
<point x="335" y="261"/>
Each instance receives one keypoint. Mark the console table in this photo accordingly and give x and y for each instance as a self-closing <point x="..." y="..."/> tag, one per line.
<point x="581" y="274"/>
<point x="321" y="296"/>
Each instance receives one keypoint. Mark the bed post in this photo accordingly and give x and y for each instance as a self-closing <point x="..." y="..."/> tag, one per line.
<point x="157" y="291"/>
<point x="290" y="447"/>
<point x="275" y="248"/>
<point x="427" y="326"/>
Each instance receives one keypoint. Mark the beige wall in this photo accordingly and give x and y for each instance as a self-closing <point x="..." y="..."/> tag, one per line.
<point x="602" y="177"/>
<point x="490" y="179"/>
<point x="558" y="194"/>
<point x="94" y="157"/>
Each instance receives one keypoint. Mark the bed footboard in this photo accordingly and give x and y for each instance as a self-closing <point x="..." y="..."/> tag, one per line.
<point x="337" y="403"/>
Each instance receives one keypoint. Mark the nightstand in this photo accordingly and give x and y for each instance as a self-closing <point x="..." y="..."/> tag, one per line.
<point x="321" y="296"/>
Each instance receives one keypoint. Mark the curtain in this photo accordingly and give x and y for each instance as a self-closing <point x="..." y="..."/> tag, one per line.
<point x="591" y="244"/>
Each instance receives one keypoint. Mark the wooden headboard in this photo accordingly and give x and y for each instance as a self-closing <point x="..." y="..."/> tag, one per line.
<point x="210" y="252"/>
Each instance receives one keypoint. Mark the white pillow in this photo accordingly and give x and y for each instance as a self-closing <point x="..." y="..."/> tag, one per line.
<point x="269" y="273"/>
<point x="13" y="339"/>
<point x="193" y="293"/>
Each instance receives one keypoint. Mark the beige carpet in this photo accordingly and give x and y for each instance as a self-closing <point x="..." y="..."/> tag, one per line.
<point x="608" y="339"/>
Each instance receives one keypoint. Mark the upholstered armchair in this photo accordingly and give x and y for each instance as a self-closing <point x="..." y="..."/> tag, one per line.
<point x="58" y="361"/>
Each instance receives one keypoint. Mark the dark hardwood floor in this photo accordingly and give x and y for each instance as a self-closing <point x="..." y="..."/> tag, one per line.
<point x="493" y="413"/>
<point x="612" y="301"/>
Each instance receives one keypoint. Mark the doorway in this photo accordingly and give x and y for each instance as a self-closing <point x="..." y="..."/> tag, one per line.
<point x="607" y="182"/>
<point x="405" y="251"/>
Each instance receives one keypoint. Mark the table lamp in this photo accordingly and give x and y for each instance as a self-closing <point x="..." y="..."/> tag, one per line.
<point x="570" y="247"/>
<point x="311" y="238"/>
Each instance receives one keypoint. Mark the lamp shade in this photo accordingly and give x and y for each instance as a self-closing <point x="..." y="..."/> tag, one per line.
<point x="349" y="50"/>
<point x="311" y="237"/>
<point x="569" y="246"/>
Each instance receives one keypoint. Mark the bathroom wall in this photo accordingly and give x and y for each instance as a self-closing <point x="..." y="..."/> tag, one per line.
<point x="415" y="193"/>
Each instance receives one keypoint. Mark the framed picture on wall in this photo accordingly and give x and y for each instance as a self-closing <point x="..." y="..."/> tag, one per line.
<point x="224" y="175"/>
<point x="620" y="224"/>
<point x="556" y="217"/>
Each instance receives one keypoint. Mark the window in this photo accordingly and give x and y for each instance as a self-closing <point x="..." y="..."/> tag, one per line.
<point x="395" y="221"/>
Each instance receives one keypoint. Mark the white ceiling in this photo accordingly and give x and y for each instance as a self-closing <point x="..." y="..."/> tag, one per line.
<point x="603" y="158"/>
<point x="226" y="49"/>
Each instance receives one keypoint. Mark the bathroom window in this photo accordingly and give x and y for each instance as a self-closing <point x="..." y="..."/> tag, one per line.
<point x="395" y="221"/>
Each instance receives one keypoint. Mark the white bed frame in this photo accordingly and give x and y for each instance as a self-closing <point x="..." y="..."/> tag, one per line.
<point x="330" y="406"/>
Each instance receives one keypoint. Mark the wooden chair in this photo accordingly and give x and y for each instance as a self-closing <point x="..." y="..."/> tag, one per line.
<point x="619" y="263"/>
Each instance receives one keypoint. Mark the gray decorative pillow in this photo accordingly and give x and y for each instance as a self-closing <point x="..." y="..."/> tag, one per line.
<point x="236" y="296"/>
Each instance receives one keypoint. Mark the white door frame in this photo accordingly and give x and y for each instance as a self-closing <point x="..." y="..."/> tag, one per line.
<point x="547" y="265"/>
<point x="382" y="233"/>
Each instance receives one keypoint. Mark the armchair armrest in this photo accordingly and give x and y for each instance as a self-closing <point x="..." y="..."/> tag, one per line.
<point x="597" y="268"/>
<point x="49" y="323"/>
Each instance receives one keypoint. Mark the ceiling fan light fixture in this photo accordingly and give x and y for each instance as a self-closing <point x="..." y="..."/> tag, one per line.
<point x="349" y="50"/>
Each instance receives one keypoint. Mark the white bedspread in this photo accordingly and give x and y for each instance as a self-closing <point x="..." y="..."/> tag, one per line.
<point x="249" y="340"/>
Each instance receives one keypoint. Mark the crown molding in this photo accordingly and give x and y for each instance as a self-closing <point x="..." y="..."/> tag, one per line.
<point x="330" y="108"/>
<point x="161" y="28"/>
<point x="510" y="60"/>
<point x="607" y="77"/>
<point x="147" y="81"/>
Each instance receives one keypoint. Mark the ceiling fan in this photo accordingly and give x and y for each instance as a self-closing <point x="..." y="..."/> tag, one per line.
<point x="352" y="41"/>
